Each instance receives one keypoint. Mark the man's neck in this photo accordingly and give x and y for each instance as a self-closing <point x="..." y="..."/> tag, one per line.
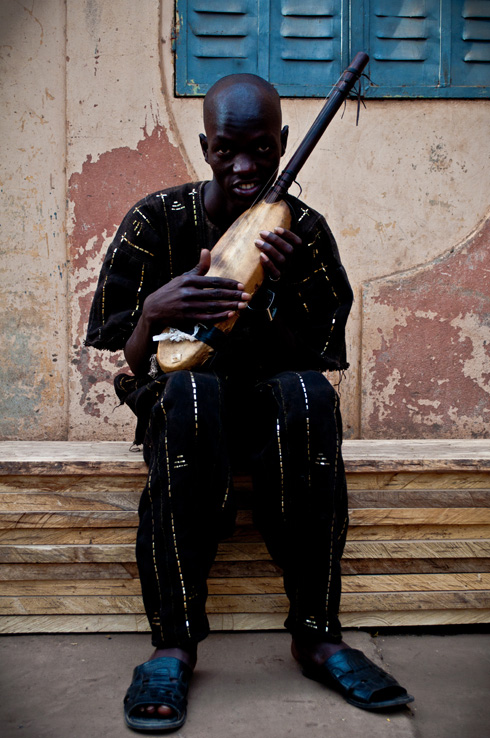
<point x="219" y="209"/>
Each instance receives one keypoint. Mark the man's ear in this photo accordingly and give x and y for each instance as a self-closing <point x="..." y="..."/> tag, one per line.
<point x="204" y="146"/>
<point x="284" y="139"/>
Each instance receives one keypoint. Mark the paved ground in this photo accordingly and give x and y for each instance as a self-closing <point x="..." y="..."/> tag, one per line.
<point x="246" y="685"/>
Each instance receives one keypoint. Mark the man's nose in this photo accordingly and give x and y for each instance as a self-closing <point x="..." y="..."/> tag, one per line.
<point x="243" y="164"/>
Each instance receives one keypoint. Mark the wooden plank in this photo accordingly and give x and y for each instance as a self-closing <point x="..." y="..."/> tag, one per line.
<point x="416" y="582"/>
<point x="68" y="519"/>
<point x="70" y="536"/>
<point x="246" y="552"/>
<point x="37" y="572"/>
<point x="262" y="621"/>
<point x="415" y="532"/>
<point x="421" y="480"/>
<point x="112" y="623"/>
<point x="402" y="516"/>
<point x="71" y="484"/>
<point x="413" y="566"/>
<point x="254" y="568"/>
<point x="421" y="516"/>
<point x="71" y="588"/>
<point x="71" y="605"/>
<point x="67" y="554"/>
<point x="134" y="623"/>
<point x="253" y="586"/>
<point x="127" y="535"/>
<point x="275" y="603"/>
<point x="236" y="569"/>
<point x="69" y="457"/>
<point x="415" y="549"/>
<point x="415" y="618"/>
<point x="410" y="498"/>
<point x="357" y="583"/>
<point x="422" y="453"/>
<point x="357" y="602"/>
<point x="33" y="501"/>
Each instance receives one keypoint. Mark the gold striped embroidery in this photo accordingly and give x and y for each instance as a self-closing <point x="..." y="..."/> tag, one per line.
<point x="279" y="448"/>
<point x="194" y="397"/>
<point x="281" y="464"/>
<point x="193" y="194"/>
<point x="124" y="238"/>
<point x="153" y="552"/>
<point x="337" y="451"/>
<point x="303" y="386"/>
<point x="170" y="264"/>
<point x="172" y="524"/>
<point x="103" y="286"/>
<point x="142" y="215"/>
<point x="330" y="334"/>
<point x="227" y="491"/>
<point x="138" y="292"/>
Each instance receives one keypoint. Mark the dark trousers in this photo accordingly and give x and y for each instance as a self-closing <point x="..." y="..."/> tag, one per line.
<point x="293" y="426"/>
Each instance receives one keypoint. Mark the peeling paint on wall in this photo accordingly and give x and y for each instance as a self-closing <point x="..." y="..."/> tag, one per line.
<point x="100" y="196"/>
<point x="426" y="347"/>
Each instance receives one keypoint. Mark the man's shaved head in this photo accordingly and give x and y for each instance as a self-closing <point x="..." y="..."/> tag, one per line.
<point x="243" y="143"/>
<point x="246" y="94"/>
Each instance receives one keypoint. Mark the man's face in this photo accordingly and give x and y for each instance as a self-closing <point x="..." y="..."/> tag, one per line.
<point x="243" y="147"/>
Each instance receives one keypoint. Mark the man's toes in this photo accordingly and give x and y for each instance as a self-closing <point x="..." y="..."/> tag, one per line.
<point x="165" y="711"/>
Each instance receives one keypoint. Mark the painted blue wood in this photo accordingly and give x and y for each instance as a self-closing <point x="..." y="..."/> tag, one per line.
<point x="418" y="48"/>
<point x="305" y="46"/>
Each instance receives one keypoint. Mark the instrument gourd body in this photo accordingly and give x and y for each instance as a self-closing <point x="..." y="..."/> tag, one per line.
<point x="235" y="256"/>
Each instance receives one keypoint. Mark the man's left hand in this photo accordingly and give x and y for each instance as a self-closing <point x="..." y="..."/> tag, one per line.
<point x="276" y="248"/>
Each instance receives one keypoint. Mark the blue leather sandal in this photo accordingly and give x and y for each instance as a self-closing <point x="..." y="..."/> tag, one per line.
<point x="162" y="681"/>
<point x="359" y="680"/>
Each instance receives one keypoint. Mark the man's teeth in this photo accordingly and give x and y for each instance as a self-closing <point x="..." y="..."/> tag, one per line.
<point x="246" y="186"/>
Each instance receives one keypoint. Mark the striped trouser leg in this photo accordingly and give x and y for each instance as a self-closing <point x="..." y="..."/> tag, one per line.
<point x="300" y="495"/>
<point x="184" y="505"/>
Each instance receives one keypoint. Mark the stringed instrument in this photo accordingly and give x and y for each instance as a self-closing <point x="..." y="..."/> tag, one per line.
<point x="235" y="255"/>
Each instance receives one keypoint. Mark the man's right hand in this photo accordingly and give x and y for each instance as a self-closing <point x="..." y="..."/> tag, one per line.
<point x="192" y="297"/>
<point x="185" y="300"/>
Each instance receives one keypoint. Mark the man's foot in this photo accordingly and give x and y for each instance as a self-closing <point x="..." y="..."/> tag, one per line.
<point x="311" y="654"/>
<point x="349" y="671"/>
<point x="188" y="657"/>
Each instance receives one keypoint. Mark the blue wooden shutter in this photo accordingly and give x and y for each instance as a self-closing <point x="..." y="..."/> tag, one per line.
<point x="403" y="40"/>
<point x="214" y="38"/>
<point x="470" y="50"/>
<point x="296" y="44"/>
<point x="306" y="45"/>
<point x="418" y="48"/>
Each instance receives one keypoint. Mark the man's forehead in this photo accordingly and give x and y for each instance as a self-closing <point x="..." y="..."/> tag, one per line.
<point x="242" y="102"/>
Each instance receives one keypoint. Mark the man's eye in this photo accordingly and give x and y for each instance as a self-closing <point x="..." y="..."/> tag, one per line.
<point x="223" y="152"/>
<point x="263" y="149"/>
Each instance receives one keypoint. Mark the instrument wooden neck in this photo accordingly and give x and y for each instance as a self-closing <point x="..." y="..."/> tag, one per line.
<point x="333" y="103"/>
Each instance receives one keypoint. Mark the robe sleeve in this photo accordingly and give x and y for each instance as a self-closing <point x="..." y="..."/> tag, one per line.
<point x="131" y="271"/>
<point x="316" y="297"/>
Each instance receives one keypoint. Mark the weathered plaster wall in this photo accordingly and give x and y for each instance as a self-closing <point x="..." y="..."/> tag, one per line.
<point x="120" y="147"/>
<point x="33" y="269"/>
<point x="399" y="191"/>
<point x="426" y="344"/>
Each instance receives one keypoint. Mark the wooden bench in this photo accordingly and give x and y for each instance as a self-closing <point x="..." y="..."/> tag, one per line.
<point x="418" y="549"/>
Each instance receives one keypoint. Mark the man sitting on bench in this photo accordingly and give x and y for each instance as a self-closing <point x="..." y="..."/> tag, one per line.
<point x="262" y="396"/>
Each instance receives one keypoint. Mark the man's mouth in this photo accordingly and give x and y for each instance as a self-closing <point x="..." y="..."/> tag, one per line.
<point x="247" y="189"/>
